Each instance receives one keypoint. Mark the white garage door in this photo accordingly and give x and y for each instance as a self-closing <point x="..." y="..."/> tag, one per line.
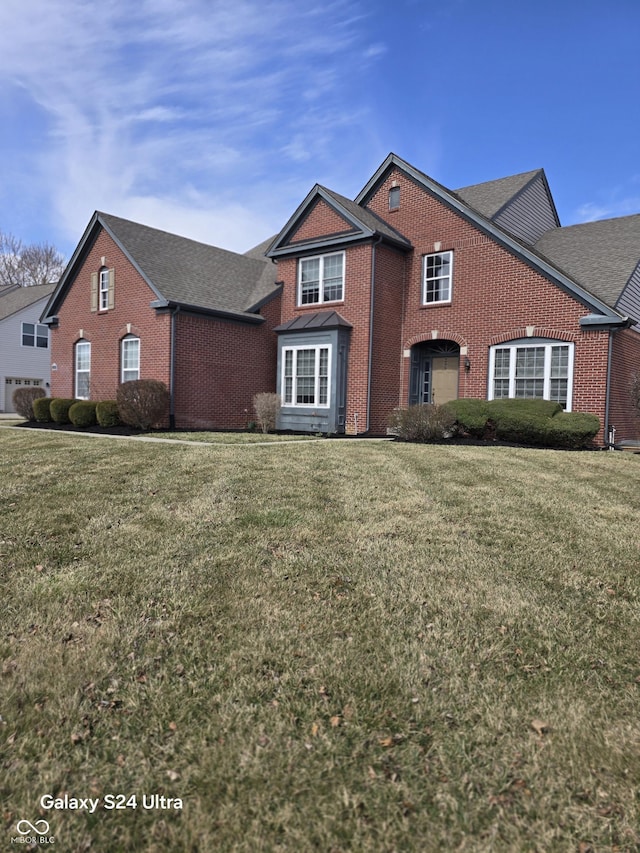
<point x="10" y="385"/>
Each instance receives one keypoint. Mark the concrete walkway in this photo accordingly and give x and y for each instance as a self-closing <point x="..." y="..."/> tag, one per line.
<point x="159" y="440"/>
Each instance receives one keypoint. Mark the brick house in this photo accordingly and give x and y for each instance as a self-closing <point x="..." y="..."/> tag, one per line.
<point x="416" y="293"/>
<point x="410" y="293"/>
<point x="138" y="303"/>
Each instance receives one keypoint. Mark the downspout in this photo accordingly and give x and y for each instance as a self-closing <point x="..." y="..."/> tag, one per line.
<point x="608" y="389"/>
<point x="371" y="313"/>
<point x="172" y="370"/>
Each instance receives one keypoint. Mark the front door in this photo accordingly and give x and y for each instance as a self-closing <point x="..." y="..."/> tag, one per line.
<point x="444" y="378"/>
<point x="434" y="372"/>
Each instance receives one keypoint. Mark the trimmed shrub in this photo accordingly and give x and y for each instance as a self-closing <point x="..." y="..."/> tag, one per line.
<point x="471" y="416"/>
<point x="142" y="402"/>
<point x="521" y="428"/>
<point x="573" y="430"/>
<point x="424" y="422"/>
<point x="23" y="401"/>
<point x="267" y="408"/>
<point x="107" y="413"/>
<point x="60" y="409"/>
<point x="83" y="413"/>
<point x="530" y="407"/>
<point x="41" y="410"/>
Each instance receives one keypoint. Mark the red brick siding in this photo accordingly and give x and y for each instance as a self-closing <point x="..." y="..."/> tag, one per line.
<point x="625" y="361"/>
<point x="320" y="219"/>
<point x="495" y="297"/>
<point x="387" y="336"/>
<point x="220" y="366"/>
<point x="105" y="329"/>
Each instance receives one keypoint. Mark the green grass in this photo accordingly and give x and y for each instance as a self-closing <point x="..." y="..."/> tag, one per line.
<point x="334" y="646"/>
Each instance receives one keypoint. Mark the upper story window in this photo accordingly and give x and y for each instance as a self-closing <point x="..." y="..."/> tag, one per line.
<point x="437" y="277"/>
<point x="394" y="198"/>
<point x="130" y="358"/>
<point x="321" y="279"/>
<point x="103" y="290"/>
<point x="542" y="369"/>
<point x="35" y="335"/>
<point x="83" y="369"/>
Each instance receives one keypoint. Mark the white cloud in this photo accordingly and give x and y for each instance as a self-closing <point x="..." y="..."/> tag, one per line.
<point x="147" y="103"/>
<point x="591" y="211"/>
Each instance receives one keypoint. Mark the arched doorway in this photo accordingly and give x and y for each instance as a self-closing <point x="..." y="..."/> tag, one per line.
<point x="435" y="366"/>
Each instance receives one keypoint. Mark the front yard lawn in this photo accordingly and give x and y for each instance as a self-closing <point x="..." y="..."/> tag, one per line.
<point x="334" y="646"/>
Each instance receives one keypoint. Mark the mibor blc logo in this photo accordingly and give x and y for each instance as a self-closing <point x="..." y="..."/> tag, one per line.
<point x="40" y="827"/>
<point x="33" y="833"/>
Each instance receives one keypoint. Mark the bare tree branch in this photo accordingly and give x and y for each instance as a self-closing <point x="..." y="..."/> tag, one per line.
<point x="39" y="263"/>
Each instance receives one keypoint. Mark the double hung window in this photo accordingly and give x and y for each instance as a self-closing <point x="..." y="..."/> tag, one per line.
<point x="437" y="277"/>
<point x="83" y="369"/>
<point x="321" y="279"/>
<point x="103" y="289"/>
<point x="130" y="359"/>
<point x="305" y="376"/>
<point x="538" y="369"/>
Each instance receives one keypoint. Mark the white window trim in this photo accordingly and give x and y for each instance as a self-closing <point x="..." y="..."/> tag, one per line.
<point x="103" y="289"/>
<point x="548" y="344"/>
<point x="424" y="279"/>
<point x="316" y="389"/>
<point x="124" y="341"/>
<point x="77" y="372"/>
<point x="321" y="258"/>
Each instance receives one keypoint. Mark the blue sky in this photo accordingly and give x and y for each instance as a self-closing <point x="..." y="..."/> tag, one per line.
<point x="214" y="118"/>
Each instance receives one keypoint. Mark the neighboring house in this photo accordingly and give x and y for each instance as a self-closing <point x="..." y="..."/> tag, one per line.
<point x="410" y="293"/>
<point x="414" y="293"/>
<point x="24" y="341"/>
<point x="136" y="303"/>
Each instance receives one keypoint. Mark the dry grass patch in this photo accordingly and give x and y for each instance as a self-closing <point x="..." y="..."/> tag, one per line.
<point x="334" y="646"/>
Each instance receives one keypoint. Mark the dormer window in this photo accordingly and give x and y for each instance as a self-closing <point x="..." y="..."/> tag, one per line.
<point x="394" y="198"/>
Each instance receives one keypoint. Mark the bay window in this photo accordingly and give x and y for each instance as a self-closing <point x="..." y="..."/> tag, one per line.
<point x="305" y="376"/>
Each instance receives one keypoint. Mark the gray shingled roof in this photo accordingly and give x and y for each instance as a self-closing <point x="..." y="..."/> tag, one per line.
<point x="13" y="299"/>
<point x="491" y="196"/>
<point x="600" y="255"/>
<point x="186" y="272"/>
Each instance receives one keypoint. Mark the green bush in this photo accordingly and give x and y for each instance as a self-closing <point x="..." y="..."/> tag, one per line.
<point x="41" y="409"/>
<point x="60" y="409"/>
<point x="530" y="421"/>
<point x="520" y="428"/>
<point x="142" y="402"/>
<point x="573" y="430"/>
<point x="83" y="413"/>
<point x="107" y="413"/>
<point x="424" y="422"/>
<point x="530" y="407"/>
<point x="471" y="416"/>
<point x="23" y="401"/>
